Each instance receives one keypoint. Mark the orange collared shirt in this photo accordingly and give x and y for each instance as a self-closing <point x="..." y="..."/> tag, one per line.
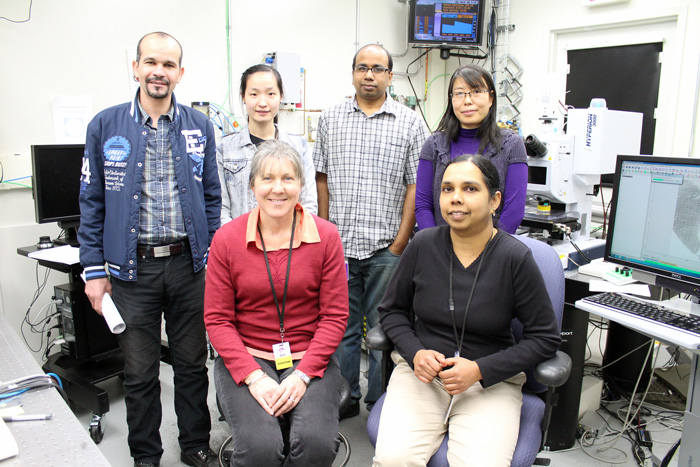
<point x="305" y="230"/>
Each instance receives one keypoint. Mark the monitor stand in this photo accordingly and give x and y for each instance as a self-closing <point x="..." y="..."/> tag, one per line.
<point x="71" y="237"/>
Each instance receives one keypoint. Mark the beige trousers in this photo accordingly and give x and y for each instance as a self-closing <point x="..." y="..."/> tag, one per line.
<point x="483" y="423"/>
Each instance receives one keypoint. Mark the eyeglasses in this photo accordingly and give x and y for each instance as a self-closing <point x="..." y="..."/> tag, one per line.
<point x="377" y="70"/>
<point x="476" y="94"/>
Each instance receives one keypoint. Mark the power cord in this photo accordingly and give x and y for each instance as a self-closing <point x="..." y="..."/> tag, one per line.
<point x="38" y="325"/>
<point x="567" y="232"/>
<point x="15" y="387"/>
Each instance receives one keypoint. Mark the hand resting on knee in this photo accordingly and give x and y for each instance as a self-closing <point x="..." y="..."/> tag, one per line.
<point x="276" y="399"/>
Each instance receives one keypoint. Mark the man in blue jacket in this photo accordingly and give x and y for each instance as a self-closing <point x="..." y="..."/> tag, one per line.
<point x="150" y="203"/>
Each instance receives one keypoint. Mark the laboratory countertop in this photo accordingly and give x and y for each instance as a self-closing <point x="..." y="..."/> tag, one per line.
<point x="60" y="441"/>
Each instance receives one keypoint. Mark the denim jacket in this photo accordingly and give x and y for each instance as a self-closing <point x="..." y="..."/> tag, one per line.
<point x="233" y="156"/>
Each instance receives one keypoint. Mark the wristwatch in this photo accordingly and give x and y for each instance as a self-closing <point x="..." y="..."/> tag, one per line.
<point x="303" y="376"/>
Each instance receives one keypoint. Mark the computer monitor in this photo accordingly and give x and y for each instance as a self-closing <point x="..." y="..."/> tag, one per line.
<point x="456" y="23"/>
<point x="56" y="172"/>
<point x="655" y="221"/>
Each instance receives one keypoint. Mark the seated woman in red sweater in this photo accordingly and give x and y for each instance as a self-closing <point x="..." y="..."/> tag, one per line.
<point x="276" y="307"/>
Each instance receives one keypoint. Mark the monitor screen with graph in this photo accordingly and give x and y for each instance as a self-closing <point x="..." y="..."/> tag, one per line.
<point x="655" y="221"/>
<point x="456" y="23"/>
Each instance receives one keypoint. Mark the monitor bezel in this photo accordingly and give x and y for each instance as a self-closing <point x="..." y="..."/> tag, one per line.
<point x="40" y="216"/>
<point x="442" y="43"/>
<point x="664" y="278"/>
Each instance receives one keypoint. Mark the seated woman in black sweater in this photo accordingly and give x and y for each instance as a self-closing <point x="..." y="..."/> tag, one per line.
<point x="458" y="369"/>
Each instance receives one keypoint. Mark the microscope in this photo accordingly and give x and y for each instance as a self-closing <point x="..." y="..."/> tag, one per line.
<point x="564" y="169"/>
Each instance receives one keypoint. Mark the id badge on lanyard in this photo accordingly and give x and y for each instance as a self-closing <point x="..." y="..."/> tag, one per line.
<point x="283" y="355"/>
<point x="281" y="351"/>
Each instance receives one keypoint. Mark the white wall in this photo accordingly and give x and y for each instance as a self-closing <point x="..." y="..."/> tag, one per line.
<point x="79" y="47"/>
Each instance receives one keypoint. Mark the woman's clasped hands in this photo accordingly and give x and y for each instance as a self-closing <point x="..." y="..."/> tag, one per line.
<point x="457" y="373"/>
<point x="277" y="398"/>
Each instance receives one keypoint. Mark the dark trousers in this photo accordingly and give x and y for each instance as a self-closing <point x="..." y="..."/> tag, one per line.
<point x="258" y="437"/>
<point x="165" y="287"/>
<point x="368" y="281"/>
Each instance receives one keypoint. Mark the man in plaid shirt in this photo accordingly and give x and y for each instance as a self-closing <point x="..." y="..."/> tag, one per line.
<point x="366" y="155"/>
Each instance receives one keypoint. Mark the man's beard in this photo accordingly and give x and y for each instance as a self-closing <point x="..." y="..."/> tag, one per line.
<point x="158" y="94"/>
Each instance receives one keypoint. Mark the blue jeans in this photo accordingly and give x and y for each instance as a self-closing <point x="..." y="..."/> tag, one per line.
<point x="367" y="283"/>
<point x="165" y="287"/>
<point x="258" y="438"/>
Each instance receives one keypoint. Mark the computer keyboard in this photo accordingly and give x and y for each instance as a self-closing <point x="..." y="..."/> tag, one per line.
<point x="655" y="313"/>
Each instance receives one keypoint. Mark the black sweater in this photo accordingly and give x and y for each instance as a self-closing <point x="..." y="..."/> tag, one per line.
<point x="509" y="286"/>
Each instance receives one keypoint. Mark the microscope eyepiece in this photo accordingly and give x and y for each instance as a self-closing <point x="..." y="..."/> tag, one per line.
<point x="535" y="147"/>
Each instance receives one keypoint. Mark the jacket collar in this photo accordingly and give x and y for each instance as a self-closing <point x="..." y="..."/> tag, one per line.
<point x="245" y="135"/>
<point x="134" y="110"/>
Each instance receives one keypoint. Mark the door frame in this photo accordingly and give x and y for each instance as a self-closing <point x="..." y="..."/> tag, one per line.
<point x="673" y="131"/>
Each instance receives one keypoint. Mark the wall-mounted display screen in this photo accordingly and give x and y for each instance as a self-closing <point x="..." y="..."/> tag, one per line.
<point x="454" y="23"/>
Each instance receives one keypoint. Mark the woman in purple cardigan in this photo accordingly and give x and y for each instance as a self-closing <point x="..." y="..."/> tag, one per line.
<point x="469" y="127"/>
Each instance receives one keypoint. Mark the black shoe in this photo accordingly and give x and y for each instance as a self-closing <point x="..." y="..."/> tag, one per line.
<point x="201" y="458"/>
<point x="352" y="410"/>
<point x="145" y="464"/>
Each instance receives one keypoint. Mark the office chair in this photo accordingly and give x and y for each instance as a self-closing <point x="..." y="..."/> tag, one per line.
<point x="225" y="451"/>
<point x="544" y="378"/>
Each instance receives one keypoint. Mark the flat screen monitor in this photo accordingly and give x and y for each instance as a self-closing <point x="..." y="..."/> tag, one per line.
<point x="456" y="23"/>
<point x="56" y="172"/>
<point x="655" y="221"/>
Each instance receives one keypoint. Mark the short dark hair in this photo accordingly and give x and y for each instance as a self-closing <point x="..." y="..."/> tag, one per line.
<point x="260" y="69"/>
<point x="488" y="170"/>
<point x="159" y="34"/>
<point x="488" y="132"/>
<point x="391" y="60"/>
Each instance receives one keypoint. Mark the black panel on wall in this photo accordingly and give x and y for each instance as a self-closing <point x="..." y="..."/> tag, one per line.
<point x="627" y="77"/>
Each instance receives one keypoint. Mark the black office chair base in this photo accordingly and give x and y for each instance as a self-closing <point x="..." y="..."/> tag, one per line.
<point x="225" y="452"/>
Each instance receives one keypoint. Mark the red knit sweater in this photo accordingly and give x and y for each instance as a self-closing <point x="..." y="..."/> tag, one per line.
<point x="240" y="312"/>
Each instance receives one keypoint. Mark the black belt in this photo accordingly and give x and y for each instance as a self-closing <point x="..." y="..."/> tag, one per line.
<point x="162" y="251"/>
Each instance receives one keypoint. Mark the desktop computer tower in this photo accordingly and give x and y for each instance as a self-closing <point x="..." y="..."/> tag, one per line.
<point x="85" y="332"/>
<point x="625" y="358"/>
<point x="574" y="329"/>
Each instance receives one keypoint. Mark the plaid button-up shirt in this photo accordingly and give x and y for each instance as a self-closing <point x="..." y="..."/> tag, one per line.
<point x="369" y="160"/>
<point x="160" y="216"/>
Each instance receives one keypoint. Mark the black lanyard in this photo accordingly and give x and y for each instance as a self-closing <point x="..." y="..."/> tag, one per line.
<point x="451" y="302"/>
<point x="280" y="313"/>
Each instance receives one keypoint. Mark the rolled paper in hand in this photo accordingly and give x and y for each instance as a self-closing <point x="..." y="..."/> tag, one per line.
<point x="111" y="315"/>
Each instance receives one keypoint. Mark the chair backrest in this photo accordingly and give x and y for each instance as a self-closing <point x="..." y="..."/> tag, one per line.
<point x="553" y="273"/>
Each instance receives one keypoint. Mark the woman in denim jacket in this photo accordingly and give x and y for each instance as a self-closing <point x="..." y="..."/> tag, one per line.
<point x="261" y="92"/>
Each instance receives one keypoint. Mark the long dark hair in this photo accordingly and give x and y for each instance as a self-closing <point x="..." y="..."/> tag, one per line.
<point x="488" y="132"/>
<point x="260" y="69"/>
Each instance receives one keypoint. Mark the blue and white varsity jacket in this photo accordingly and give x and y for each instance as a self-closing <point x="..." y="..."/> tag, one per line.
<point x="110" y="187"/>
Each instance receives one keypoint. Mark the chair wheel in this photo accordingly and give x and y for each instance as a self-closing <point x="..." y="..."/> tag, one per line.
<point x="344" y="441"/>
<point x="97" y="431"/>
<point x="225" y="453"/>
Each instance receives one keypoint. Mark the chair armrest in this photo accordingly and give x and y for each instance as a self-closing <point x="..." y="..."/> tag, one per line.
<point x="377" y="340"/>
<point x="555" y="371"/>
